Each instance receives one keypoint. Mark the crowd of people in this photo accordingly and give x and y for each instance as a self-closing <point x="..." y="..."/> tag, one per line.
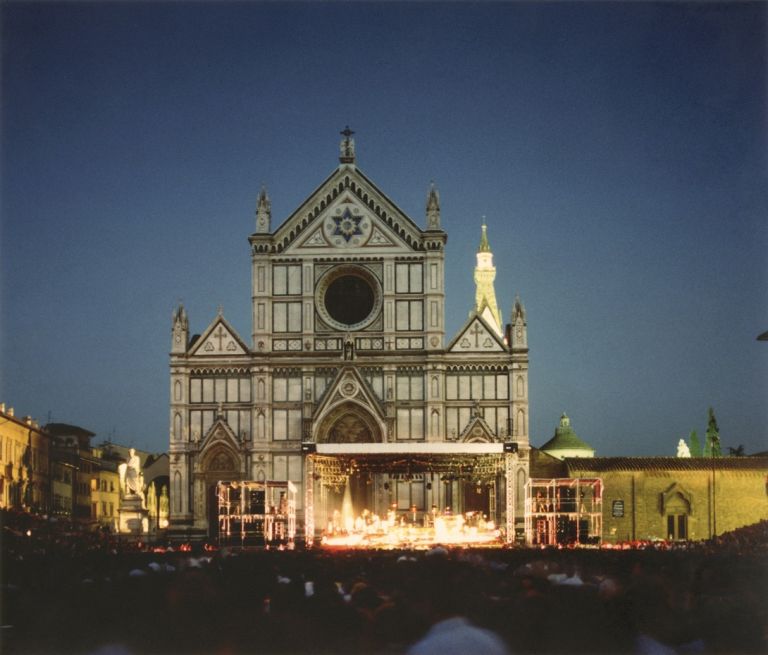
<point x="65" y="593"/>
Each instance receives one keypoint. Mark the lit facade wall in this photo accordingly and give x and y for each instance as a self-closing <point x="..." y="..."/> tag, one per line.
<point x="24" y="463"/>
<point x="672" y="498"/>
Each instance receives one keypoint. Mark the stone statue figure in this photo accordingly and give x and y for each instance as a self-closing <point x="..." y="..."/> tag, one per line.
<point x="131" y="476"/>
<point x="682" y="449"/>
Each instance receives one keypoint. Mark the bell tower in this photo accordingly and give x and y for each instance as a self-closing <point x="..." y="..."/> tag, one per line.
<point x="485" y="295"/>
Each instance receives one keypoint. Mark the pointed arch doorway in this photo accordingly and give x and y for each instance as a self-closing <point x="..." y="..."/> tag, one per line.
<point x="349" y="423"/>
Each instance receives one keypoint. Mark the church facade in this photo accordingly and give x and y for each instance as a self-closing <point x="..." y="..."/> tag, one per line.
<point x="348" y="382"/>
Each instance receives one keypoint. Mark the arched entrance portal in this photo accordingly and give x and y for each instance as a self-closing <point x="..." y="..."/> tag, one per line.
<point x="349" y="423"/>
<point x="220" y="464"/>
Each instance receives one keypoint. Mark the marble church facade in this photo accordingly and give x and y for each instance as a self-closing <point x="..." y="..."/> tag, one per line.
<point x="348" y="349"/>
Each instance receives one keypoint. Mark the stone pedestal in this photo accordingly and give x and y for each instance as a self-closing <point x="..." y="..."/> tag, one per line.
<point x="133" y="516"/>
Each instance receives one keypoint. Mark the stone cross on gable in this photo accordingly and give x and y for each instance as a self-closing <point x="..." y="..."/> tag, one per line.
<point x="476" y="332"/>
<point x="220" y="335"/>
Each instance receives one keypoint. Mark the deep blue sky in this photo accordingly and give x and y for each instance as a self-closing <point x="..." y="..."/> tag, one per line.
<point x="618" y="151"/>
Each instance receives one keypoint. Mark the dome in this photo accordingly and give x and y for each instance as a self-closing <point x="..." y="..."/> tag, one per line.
<point x="565" y="443"/>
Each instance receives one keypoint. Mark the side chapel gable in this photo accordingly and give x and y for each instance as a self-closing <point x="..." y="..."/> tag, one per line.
<point x="476" y="336"/>
<point x="220" y="338"/>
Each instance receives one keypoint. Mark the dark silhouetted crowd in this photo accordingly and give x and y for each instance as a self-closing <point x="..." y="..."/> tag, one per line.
<point x="70" y="592"/>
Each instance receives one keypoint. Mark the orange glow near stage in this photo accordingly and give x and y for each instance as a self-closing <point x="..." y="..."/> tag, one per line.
<point x="470" y="530"/>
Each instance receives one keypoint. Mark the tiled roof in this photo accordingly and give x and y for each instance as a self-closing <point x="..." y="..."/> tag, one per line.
<point x="601" y="464"/>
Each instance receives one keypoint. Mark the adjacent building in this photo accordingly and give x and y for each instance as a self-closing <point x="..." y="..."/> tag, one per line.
<point x="25" y="451"/>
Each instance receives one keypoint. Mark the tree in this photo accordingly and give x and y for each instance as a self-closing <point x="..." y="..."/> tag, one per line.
<point x="695" y="444"/>
<point x="712" y="445"/>
<point x="737" y="452"/>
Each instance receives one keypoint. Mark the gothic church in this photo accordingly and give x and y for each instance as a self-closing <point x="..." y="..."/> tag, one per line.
<point x="348" y="371"/>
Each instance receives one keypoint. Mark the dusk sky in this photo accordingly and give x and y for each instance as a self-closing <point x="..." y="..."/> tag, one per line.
<point x="617" y="150"/>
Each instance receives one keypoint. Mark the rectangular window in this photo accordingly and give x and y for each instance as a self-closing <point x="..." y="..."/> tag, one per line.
<point x="195" y="390"/>
<point x="451" y="387"/>
<point x="207" y="390"/>
<point x="279" y="317"/>
<point x="464" y="387"/>
<point x="489" y="387"/>
<point x="408" y="278"/>
<point x="220" y="390"/>
<point x="477" y="387"/>
<point x="208" y="418"/>
<point x="410" y="423"/>
<point x="279" y="280"/>
<point x="294" y="279"/>
<point x="502" y="392"/>
<point x="415" y="278"/>
<point x="279" y="389"/>
<point x="245" y="390"/>
<point x="409" y="315"/>
<point x="280" y="424"/>
<point x="286" y="279"/>
<point x="294" y="317"/>
<point x="245" y="424"/>
<point x="294" y="389"/>
<point x="195" y="426"/>
<point x="232" y="390"/>
<point x="286" y="317"/>
<point x="410" y="387"/>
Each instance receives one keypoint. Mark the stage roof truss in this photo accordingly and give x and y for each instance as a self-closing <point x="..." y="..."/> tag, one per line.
<point x="333" y="470"/>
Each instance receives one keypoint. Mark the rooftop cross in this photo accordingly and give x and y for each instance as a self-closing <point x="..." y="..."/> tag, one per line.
<point x="347" y="147"/>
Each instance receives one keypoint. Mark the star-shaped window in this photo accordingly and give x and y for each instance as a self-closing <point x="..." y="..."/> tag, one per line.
<point x="347" y="225"/>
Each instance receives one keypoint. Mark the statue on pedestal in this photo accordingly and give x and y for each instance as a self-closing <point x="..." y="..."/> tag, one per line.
<point x="131" y="477"/>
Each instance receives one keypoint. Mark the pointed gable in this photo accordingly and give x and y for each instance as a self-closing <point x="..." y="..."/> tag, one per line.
<point x="348" y="211"/>
<point x="219" y="450"/>
<point x="477" y="430"/>
<point x="476" y="336"/>
<point x="220" y="339"/>
<point x="349" y="385"/>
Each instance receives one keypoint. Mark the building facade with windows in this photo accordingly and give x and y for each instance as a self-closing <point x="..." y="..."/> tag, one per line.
<point x="348" y="381"/>
<point x="25" y="450"/>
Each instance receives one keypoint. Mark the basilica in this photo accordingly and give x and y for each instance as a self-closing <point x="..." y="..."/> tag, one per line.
<point x="348" y="395"/>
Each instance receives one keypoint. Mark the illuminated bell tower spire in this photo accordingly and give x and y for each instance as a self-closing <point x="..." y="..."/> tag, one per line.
<point x="485" y="295"/>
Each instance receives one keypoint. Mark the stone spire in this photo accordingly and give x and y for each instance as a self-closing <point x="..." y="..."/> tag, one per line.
<point x="179" y="330"/>
<point x="347" y="147"/>
<point x="519" y="325"/>
<point x="433" y="209"/>
<point x="263" y="212"/>
<point x="485" y="295"/>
